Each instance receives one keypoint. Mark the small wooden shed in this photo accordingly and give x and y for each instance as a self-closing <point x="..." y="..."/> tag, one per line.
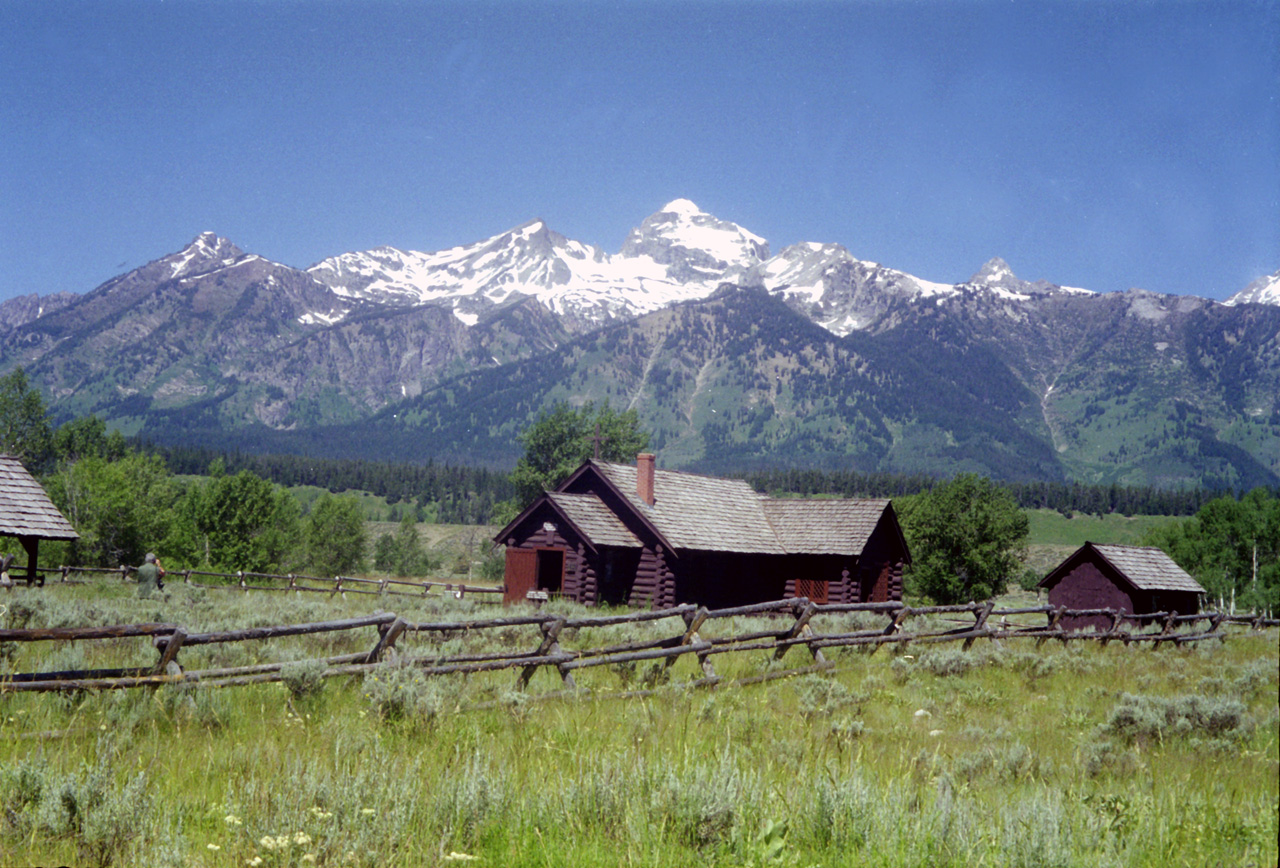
<point x="1135" y="579"/>
<point x="614" y="533"/>
<point x="26" y="512"/>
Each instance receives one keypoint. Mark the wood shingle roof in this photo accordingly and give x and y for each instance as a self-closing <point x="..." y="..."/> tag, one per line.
<point x="25" y="508"/>
<point x="709" y="513"/>
<point x="593" y="518"/>
<point x="1149" y="569"/>
<point x="825" y="527"/>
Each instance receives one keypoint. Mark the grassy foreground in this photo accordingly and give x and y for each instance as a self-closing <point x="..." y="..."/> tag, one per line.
<point x="1009" y="755"/>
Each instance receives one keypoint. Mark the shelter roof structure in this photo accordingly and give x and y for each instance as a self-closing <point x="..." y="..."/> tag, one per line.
<point x="25" y="509"/>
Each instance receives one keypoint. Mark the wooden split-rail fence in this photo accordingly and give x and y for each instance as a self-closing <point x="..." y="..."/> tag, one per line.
<point x="249" y="581"/>
<point x="693" y="636"/>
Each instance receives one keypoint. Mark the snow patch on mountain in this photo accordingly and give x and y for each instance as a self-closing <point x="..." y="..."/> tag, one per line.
<point x="576" y="280"/>
<point x="1264" y="290"/>
<point x="206" y="250"/>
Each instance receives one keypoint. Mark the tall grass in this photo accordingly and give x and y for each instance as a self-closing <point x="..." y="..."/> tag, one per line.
<point x="1083" y="755"/>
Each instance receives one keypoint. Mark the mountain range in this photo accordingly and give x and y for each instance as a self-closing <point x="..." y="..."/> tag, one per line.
<point x="733" y="357"/>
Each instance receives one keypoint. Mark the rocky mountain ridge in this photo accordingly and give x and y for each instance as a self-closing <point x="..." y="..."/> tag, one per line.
<point x="212" y="342"/>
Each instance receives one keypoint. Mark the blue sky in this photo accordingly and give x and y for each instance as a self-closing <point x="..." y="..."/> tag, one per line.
<point x="1097" y="144"/>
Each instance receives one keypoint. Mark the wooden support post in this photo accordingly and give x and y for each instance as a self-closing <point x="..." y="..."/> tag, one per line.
<point x="692" y="620"/>
<point x="1213" y="625"/>
<point x="1116" y="617"/>
<point x="1170" y="621"/>
<point x="894" y="626"/>
<point x="170" y="653"/>
<point x="1053" y="626"/>
<point x="980" y="622"/>
<point x="388" y="634"/>
<point x="801" y="623"/>
<point x="807" y="632"/>
<point x="550" y="633"/>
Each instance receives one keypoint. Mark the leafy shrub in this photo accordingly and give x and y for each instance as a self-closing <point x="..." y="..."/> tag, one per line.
<point x="1142" y="717"/>
<point x="1107" y="756"/>
<point x="948" y="661"/>
<point x="1003" y="762"/>
<point x="404" y="694"/>
<point x="817" y="694"/>
<point x="88" y="806"/>
<point x="304" y="678"/>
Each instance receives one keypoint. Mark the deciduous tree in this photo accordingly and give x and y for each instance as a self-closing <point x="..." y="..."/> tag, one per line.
<point x="24" y="425"/>
<point x="1231" y="546"/>
<point x="966" y="538"/>
<point x="563" y="437"/>
<point x="121" y="509"/>
<point x="239" y="522"/>
<point x="335" y="535"/>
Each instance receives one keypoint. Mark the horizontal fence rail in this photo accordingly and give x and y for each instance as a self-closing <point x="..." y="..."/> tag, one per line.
<point x="795" y="629"/>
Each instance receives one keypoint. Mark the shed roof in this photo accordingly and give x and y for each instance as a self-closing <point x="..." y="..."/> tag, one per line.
<point x="25" y="508"/>
<point x="593" y="518"/>
<point x="1148" y="568"/>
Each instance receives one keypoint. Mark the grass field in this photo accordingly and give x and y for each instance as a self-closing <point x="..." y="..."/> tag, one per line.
<point x="1078" y="755"/>
<point x="1053" y="536"/>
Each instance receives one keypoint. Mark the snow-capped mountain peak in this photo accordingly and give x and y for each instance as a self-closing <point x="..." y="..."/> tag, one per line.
<point x="994" y="271"/>
<point x="1264" y="290"/>
<point x="205" y="251"/>
<point x="693" y="243"/>
<point x="677" y="254"/>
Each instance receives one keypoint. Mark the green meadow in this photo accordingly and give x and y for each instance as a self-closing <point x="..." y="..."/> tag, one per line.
<point x="914" y="755"/>
<point x="1052" y="536"/>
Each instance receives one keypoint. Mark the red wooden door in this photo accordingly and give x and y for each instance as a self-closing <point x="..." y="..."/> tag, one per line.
<point x="521" y="574"/>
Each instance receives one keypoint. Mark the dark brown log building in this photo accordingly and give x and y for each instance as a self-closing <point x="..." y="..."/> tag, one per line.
<point x="613" y="533"/>
<point x="1124" y="578"/>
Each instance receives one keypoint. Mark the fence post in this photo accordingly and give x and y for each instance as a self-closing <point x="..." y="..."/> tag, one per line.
<point x="1168" y="629"/>
<point x="895" y="624"/>
<point x="550" y="645"/>
<point x="1053" y="626"/>
<point x="693" y="622"/>
<point x="170" y="653"/>
<point x="243" y="586"/>
<point x="802" y="621"/>
<point x="980" y="622"/>
<point x="1114" y="632"/>
<point x="387" y="638"/>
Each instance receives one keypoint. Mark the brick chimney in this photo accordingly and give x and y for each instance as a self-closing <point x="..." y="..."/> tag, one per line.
<point x="644" y="477"/>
